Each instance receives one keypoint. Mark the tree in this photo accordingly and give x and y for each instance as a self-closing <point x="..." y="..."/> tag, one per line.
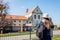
<point x="3" y="11"/>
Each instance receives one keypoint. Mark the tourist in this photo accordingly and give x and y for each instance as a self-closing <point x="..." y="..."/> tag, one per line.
<point x="44" y="29"/>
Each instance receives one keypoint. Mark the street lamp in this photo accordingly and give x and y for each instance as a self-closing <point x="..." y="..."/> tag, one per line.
<point x="30" y="31"/>
<point x="30" y="25"/>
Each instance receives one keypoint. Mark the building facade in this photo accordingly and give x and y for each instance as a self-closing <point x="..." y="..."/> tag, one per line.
<point x="32" y="16"/>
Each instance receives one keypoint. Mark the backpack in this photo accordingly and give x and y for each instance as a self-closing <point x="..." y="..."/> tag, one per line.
<point x="52" y="26"/>
<point x="51" y="31"/>
<point x="39" y="31"/>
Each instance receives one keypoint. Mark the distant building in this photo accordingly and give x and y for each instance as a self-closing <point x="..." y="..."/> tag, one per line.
<point x="32" y="16"/>
<point x="17" y="22"/>
<point x="57" y="26"/>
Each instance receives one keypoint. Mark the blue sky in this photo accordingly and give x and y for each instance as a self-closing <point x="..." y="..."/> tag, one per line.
<point x="52" y="7"/>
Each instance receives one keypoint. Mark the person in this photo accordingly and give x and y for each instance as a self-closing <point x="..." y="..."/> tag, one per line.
<point x="44" y="28"/>
<point x="46" y="31"/>
<point x="52" y="25"/>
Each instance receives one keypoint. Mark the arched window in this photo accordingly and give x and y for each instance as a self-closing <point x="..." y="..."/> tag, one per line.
<point x="38" y="16"/>
<point x="34" y="16"/>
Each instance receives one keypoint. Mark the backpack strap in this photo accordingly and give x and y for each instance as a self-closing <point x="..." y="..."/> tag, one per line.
<point x="39" y="30"/>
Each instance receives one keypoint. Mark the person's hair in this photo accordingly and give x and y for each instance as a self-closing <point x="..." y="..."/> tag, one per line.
<point x="47" y="23"/>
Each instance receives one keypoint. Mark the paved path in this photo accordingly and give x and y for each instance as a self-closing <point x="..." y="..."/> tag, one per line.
<point x="26" y="37"/>
<point x="57" y="32"/>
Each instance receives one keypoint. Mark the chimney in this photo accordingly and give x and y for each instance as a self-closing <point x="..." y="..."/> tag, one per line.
<point x="26" y="10"/>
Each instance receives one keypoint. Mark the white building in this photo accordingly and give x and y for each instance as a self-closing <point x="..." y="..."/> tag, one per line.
<point x="32" y="16"/>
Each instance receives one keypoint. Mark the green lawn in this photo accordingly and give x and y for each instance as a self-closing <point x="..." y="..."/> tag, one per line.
<point x="56" y="38"/>
<point x="16" y="34"/>
<point x="25" y="33"/>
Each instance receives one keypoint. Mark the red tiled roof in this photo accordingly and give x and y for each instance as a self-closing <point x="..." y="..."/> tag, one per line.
<point x="16" y="17"/>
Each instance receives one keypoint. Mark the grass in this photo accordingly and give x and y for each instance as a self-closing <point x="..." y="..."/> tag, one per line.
<point x="56" y="38"/>
<point x="25" y="33"/>
<point x="16" y="34"/>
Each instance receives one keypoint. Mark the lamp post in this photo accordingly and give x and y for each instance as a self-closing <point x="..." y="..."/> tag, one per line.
<point x="1" y="29"/>
<point x="29" y="25"/>
<point x="30" y="32"/>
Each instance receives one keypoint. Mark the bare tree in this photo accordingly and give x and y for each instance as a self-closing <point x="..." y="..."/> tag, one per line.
<point x="3" y="11"/>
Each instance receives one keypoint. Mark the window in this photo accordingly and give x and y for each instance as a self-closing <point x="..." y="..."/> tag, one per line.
<point x="29" y="22"/>
<point x="34" y="16"/>
<point x="19" y="24"/>
<point x="23" y="24"/>
<point x="19" y="21"/>
<point x="37" y="9"/>
<point x="14" y="20"/>
<point x="38" y="16"/>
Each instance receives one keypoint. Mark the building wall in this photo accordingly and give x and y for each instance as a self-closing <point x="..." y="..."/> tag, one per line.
<point x="32" y="19"/>
<point x="18" y="24"/>
<point x="36" y="20"/>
